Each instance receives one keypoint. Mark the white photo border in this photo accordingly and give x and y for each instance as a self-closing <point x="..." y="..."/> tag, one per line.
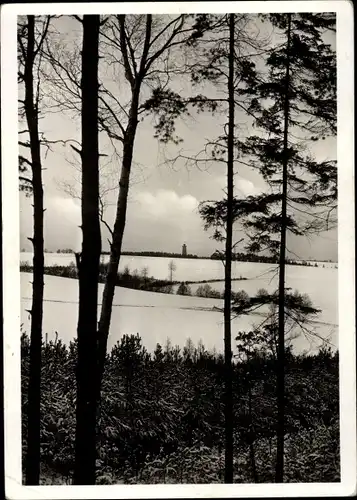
<point x="346" y="255"/>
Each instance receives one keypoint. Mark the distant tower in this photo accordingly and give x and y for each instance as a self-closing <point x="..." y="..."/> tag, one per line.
<point x="184" y="250"/>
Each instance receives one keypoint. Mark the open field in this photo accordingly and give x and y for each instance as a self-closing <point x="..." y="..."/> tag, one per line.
<point x="157" y="316"/>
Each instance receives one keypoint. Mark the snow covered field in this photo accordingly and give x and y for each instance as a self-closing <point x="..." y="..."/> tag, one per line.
<point x="186" y="269"/>
<point x="157" y="316"/>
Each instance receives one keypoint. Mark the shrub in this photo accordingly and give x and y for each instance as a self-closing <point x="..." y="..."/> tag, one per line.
<point x="183" y="289"/>
<point x="208" y="292"/>
<point x="240" y="296"/>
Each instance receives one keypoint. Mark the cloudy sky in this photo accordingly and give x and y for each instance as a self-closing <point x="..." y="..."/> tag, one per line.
<point x="162" y="210"/>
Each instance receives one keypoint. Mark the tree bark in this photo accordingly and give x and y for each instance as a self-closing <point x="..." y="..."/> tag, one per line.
<point x="118" y="232"/>
<point x="85" y="448"/>
<point x="34" y="390"/>
<point x="279" y="472"/>
<point x="228" y="473"/>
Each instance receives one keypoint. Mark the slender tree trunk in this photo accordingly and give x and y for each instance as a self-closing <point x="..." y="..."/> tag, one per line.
<point x="118" y="232"/>
<point x="251" y="442"/>
<point x="124" y="182"/>
<point x="85" y="451"/>
<point x="252" y="462"/>
<point x="279" y="472"/>
<point x="34" y="390"/>
<point x="228" y="473"/>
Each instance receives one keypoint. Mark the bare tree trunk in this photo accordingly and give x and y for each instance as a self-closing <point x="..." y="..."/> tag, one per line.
<point x="85" y="452"/>
<point x="228" y="473"/>
<point x="34" y="389"/>
<point x="251" y="438"/>
<point x="279" y="472"/>
<point x="135" y="80"/>
<point x="118" y="232"/>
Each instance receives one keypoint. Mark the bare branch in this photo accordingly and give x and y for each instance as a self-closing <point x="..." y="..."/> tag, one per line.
<point x="76" y="150"/>
<point x="43" y="36"/>
<point x="78" y="18"/>
<point x="25" y="179"/>
<point x="116" y="119"/>
<point x="107" y="92"/>
<point x="128" y="72"/>
<point x="146" y="44"/>
<point x="22" y="159"/>
<point x="169" y="43"/>
<point x="101" y="216"/>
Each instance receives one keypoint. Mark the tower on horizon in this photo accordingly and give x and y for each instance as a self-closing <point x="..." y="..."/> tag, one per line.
<point x="184" y="250"/>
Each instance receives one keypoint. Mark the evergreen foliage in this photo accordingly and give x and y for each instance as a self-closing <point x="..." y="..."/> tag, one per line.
<point x="161" y="415"/>
<point x="312" y="184"/>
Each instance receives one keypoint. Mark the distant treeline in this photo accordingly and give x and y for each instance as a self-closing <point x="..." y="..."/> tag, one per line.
<point x="141" y="254"/>
<point x="60" y="250"/>
<point x="245" y="257"/>
<point x="137" y="280"/>
<point x="239" y="256"/>
<point x="65" y="250"/>
<point x="160" y="254"/>
<point x="251" y="257"/>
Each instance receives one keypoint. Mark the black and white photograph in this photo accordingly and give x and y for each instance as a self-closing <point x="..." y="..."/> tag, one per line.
<point x="178" y="223"/>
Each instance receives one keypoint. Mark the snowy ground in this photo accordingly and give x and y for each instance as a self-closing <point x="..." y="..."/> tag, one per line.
<point x="186" y="269"/>
<point x="157" y="316"/>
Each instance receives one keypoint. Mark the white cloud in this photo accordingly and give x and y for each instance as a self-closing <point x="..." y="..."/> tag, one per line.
<point x="164" y="203"/>
<point x="246" y="188"/>
<point x="160" y="220"/>
<point x="242" y="186"/>
<point x="163" y="220"/>
<point x="62" y="219"/>
<point x="70" y="209"/>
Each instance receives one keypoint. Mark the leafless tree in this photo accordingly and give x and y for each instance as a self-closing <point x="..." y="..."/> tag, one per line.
<point x="172" y="269"/>
<point x="136" y="60"/>
<point x="31" y="36"/>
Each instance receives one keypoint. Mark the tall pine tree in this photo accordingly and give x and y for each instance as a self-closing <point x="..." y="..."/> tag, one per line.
<point x="219" y="44"/>
<point x="294" y="104"/>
